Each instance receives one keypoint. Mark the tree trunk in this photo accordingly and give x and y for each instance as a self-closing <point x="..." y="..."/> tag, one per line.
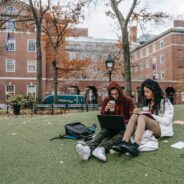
<point x="39" y="63"/>
<point x="54" y="63"/>
<point x="127" y="70"/>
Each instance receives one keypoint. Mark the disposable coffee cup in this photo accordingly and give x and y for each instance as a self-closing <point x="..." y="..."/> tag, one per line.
<point x="112" y="105"/>
<point x="145" y="109"/>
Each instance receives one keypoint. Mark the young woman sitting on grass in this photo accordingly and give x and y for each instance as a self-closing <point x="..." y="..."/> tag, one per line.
<point x="105" y="139"/>
<point x="159" y="121"/>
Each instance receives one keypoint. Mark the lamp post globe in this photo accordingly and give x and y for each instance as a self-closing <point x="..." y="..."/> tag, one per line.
<point x="109" y="66"/>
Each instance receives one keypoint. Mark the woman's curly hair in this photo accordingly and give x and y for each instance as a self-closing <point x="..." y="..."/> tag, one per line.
<point x="157" y="93"/>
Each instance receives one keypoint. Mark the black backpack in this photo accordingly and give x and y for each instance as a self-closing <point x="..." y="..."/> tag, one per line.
<point x="77" y="130"/>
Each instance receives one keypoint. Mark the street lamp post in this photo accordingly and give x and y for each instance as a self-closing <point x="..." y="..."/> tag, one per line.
<point x="109" y="66"/>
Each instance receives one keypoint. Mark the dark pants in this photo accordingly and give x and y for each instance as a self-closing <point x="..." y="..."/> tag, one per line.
<point x="106" y="138"/>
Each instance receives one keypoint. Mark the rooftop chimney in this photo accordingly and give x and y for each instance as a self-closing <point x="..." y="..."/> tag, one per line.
<point x="133" y="34"/>
<point x="178" y="23"/>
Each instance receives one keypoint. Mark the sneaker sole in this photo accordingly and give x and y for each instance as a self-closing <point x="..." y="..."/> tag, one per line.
<point x="129" y="150"/>
<point x="119" y="150"/>
<point x="100" y="158"/>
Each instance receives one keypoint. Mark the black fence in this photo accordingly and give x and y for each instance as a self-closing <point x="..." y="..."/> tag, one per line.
<point x="55" y="108"/>
<point x="65" y="107"/>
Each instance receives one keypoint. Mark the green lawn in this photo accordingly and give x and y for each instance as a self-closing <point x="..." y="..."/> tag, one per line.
<point x="28" y="157"/>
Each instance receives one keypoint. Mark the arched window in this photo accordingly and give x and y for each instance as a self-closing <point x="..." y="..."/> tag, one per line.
<point x="10" y="10"/>
<point x="10" y="25"/>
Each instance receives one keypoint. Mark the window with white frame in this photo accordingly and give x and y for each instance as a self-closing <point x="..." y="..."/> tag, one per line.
<point x="162" y="74"/>
<point x="141" y="53"/>
<point x="10" y="25"/>
<point x="9" y="90"/>
<point x="72" y="55"/>
<point x="31" y="90"/>
<point x="147" y="76"/>
<point x="162" y="58"/>
<point x="154" y="47"/>
<point x="161" y="43"/>
<point x="31" y="46"/>
<point x="10" y="65"/>
<point x="147" y="51"/>
<point x="31" y="66"/>
<point x="11" y="44"/>
<point x="10" y="10"/>
<point x="147" y="63"/>
<point x="83" y="55"/>
<point x="182" y="96"/>
<point x="154" y="66"/>
<point x="141" y="65"/>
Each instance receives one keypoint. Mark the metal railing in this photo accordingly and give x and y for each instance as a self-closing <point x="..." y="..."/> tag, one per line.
<point x="65" y="107"/>
<point x="55" y="108"/>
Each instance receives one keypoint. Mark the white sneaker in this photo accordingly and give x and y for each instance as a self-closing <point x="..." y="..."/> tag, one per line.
<point x="83" y="151"/>
<point x="99" y="153"/>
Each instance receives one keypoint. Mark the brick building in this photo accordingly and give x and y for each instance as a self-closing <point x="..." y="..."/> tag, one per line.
<point x="18" y="65"/>
<point x="162" y="58"/>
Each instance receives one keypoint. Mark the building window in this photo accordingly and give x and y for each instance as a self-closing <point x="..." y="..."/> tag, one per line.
<point x="10" y="65"/>
<point x="182" y="96"/>
<point x="31" y="66"/>
<point x="147" y="51"/>
<point x="154" y="66"/>
<point x="31" y="90"/>
<point x="72" y="55"/>
<point x="11" y="44"/>
<point x="9" y="90"/>
<point x="154" y="47"/>
<point x="141" y="53"/>
<point x="148" y="76"/>
<point x="10" y="25"/>
<point x="162" y="75"/>
<point x="141" y="65"/>
<point x="10" y="10"/>
<point x="31" y="45"/>
<point x="161" y="43"/>
<point x="161" y="58"/>
<point x="83" y="55"/>
<point x="147" y="63"/>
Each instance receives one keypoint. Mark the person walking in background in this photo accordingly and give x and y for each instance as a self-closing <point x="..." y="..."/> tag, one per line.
<point x="158" y="118"/>
<point x="105" y="139"/>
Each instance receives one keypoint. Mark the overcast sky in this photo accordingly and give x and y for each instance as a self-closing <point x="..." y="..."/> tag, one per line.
<point x="101" y="26"/>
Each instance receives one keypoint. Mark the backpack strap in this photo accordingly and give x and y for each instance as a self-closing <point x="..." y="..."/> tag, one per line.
<point x="58" y="137"/>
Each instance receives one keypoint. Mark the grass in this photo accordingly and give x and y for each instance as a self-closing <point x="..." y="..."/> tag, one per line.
<point x="28" y="157"/>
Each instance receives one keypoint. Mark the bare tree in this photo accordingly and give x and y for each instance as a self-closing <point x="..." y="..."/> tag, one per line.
<point x="123" y="21"/>
<point x="139" y="15"/>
